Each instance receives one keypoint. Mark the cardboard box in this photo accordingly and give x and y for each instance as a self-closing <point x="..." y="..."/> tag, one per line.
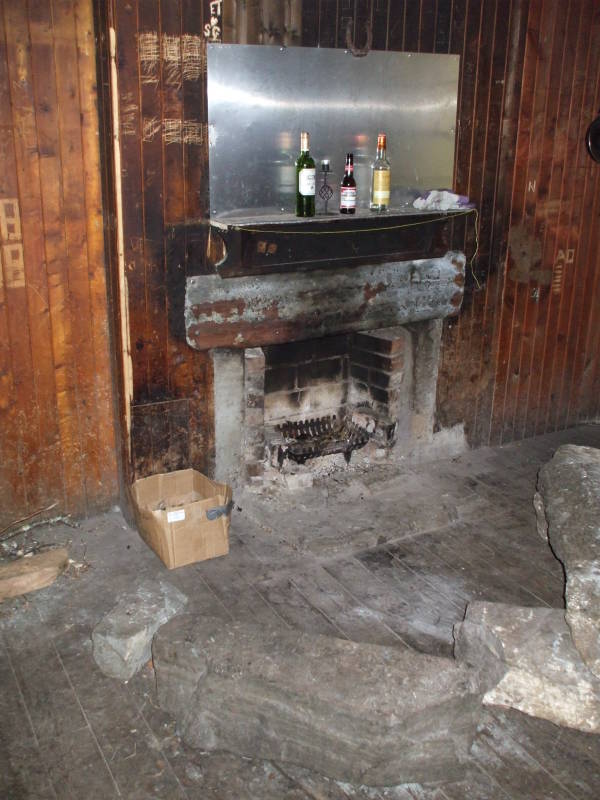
<point x="183" y="516"/>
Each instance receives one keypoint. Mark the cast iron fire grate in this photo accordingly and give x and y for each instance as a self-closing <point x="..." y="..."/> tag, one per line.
<point x="322" y="436"/>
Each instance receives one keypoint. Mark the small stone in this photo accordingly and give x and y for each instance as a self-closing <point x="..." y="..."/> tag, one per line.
<point x="299" y="480"/>
<point x="122" y="640"/>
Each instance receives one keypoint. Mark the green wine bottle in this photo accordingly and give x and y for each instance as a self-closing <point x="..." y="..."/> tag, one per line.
<point x="305" y="180"/>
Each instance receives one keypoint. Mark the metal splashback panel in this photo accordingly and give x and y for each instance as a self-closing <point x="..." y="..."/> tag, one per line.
<point x="261" y="97"/>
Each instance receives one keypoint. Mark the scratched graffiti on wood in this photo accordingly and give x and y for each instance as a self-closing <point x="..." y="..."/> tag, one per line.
<point x="13" y="262"/>
<point x="525" y="257"/>
<point x="188" y="131"/>
<point x="182" y="58"/>
<point x="10" y="220"/>
<point x="148" y="52"/>
<point x="14" y="265"/>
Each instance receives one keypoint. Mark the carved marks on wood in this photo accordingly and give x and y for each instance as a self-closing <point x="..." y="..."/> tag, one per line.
<point x="182" y="58"/>
<point x="168" y="60"/>
<point x="12" y="271"/>
<point x="525" y="260"/>
<point x="174" y="131"/>
<point x="563" y="258"/>
<point x="214" y="26"/>
<point x="525" y="256"/>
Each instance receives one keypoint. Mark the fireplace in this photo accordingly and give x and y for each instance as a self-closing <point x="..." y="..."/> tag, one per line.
<point x="333" y="356"/>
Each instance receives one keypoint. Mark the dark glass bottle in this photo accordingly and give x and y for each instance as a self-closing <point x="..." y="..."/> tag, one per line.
<point x="305" y="180"/>
<point x="348" y="187"/>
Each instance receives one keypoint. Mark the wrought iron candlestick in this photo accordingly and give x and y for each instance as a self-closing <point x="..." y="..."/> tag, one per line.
<point x="325" y="191"/>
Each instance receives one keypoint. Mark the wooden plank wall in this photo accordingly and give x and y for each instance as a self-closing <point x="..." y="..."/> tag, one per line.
<point x="57" y="439"/>
<point x="522" y="357"/>
<point x="161" y="74"/>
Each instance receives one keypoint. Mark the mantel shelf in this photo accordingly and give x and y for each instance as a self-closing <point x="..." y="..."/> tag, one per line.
<point x="253" y="244"/>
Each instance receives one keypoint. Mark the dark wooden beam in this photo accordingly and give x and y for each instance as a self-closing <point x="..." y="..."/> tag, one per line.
<point x="290" y="306"/>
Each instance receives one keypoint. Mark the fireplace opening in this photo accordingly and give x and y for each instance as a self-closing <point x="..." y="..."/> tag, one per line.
<point x="313" y="404"/>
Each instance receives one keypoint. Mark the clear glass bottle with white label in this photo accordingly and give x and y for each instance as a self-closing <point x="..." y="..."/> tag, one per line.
<point x="305" y="179"/>
<point x="381" y="173"/>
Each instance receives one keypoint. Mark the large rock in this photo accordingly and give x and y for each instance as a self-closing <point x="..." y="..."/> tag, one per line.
<point x="530" y="654"/>
<point x="356" y="712"/>
<point x="122" y="640"/>
<point x="569" y="486"/>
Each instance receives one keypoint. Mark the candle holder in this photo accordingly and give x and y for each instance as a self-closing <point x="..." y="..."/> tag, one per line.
<point x="325" y="190"/>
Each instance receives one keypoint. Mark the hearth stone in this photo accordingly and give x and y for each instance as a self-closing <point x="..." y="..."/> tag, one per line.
<point x="529" y="654"/>
<point x="569" y="487"/>
<point x="360" y="713"/>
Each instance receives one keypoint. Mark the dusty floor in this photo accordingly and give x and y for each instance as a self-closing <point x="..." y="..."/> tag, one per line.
<point x="381" y="556"/>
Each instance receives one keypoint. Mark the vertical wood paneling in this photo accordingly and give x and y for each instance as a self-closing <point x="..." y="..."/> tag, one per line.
<point x="164" y="155"/>
<point x="56" y="250"/>
<point x="40" y="432"/>
<point x="75" y="208"/>
<point x="102" y="488"/>
<point x="57" y="441"/>
<point x="584" y="392"/>
<point x="544" y="309"/>
<point x="490" y="45"/>
<point x="154" y="191"/>
<point x="18" y="406"/>
<point x="522" y="320"/>
<point x="459" y="358"/>
<point x="538" y="250"/>
<point x="491" y="300"/>
<point x="573" y="223"/>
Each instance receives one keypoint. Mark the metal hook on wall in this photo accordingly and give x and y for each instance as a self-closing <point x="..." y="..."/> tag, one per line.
<point x="359" y="52"/>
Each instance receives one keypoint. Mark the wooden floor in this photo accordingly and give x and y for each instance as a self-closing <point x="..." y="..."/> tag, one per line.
<point x="374" y="554"/>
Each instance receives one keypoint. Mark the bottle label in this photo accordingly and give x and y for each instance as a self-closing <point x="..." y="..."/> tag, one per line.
<point x="306" y="182"/>
<point x="348" y="197"/>
<point x="381" y="186"/>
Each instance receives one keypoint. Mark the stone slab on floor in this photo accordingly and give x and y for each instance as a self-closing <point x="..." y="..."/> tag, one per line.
<point x="529" y="654"/>
<point x="356" y="712"/>
<point x="569" y="486"/>
<point x="122" y="640"/>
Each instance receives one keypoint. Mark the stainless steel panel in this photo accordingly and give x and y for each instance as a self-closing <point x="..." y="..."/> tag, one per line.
<point x="261" y="97"/>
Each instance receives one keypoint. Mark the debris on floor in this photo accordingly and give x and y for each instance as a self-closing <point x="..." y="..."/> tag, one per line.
<point x="31" y="571"/>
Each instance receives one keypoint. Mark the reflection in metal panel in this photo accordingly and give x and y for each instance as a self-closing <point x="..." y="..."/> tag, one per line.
<point x="261" y="97"/>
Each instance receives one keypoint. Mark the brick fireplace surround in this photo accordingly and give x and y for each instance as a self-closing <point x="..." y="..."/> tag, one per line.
<point x="385" y="378"/>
